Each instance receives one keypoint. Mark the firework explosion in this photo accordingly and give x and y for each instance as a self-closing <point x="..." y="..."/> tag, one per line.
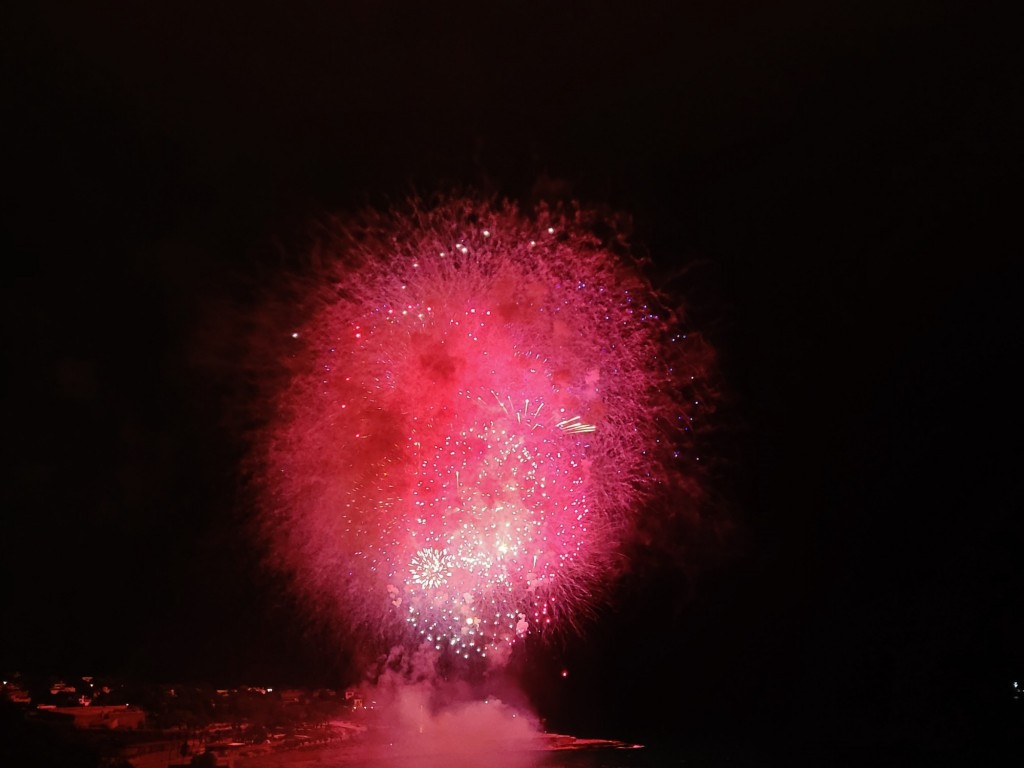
<point x="479" y="404"/>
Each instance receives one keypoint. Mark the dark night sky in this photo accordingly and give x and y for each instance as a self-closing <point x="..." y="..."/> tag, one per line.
<point x="840" y="178"/>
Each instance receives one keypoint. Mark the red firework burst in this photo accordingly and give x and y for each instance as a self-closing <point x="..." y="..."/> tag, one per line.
<point x="480" y="404"/>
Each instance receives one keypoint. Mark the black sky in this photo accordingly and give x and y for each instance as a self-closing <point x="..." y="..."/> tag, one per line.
<point x="840" y="178"/>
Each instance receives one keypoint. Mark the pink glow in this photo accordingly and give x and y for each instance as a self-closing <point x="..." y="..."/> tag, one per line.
<point x="481" y="404"/>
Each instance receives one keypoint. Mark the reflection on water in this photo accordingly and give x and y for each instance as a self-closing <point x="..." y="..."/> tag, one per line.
<point x="345" y="756"/>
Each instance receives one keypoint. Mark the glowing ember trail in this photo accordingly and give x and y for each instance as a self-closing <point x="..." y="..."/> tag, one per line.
<point x="479" y="404"/>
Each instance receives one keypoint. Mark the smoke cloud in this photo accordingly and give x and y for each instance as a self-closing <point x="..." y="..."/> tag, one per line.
<point x="423" y="719"/>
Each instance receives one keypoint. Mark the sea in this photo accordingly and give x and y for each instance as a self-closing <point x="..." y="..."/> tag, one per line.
<point x="635" y="756"/>
<point x="328" y="757"/>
